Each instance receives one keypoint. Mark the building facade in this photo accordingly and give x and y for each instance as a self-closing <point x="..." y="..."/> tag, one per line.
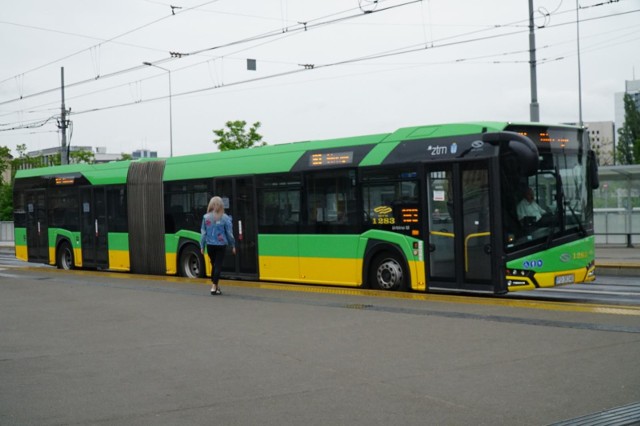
<point x="602" y="138"/>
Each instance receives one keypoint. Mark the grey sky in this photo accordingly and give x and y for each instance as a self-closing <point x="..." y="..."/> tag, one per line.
<point x="474" y="67"/>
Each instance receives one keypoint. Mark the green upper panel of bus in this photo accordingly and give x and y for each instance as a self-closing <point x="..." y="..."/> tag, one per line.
<point x="266" y="159"/>
<point x="281" y="158"/>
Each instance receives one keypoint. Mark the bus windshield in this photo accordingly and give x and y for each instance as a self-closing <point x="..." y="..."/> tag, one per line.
<point x="551" y="203"/>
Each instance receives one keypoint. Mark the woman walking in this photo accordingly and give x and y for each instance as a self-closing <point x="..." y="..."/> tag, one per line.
<point x="217" y="234"/>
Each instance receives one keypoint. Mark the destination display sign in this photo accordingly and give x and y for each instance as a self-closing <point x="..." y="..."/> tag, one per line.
<point x="64" y="180"/>
<point x="558" y="137"/>
<point x="330" y="158"/>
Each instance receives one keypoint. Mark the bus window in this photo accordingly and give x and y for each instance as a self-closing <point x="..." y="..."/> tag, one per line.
<point x="331" y="199"/>
<point x="279" y="203"/>
<point x="390" y="199"/>
<point x="184" y="204"/>
<point x="63" y="208"/>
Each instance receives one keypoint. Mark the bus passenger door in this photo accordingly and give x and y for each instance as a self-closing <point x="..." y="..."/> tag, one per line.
<point x="459" y="234"/>
<point x="37" y="227"/>
<point x="95" y="250"/>
<point x="239" y="199"/>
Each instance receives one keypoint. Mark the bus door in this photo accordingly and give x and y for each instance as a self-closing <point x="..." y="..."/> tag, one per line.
<point x="238" y="195"/>
<point x="93" y="228"/>
<point x="37" y="227"/>
<point x="460" y="232"/>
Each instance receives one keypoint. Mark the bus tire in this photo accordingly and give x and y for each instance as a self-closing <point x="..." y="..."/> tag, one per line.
<point x="387" y="272"/>
<point x="191" y="263"/>
<point x="64" y="256"/>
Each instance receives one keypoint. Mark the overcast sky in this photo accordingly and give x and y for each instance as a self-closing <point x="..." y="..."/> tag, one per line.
<point x="453" y="61"/>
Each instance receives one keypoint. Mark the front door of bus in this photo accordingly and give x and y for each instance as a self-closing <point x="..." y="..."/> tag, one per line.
<point x="93" y="227"/>
<point x="238" y="195"/>
<point x="37" y="227"/>
<point x="459" y="208"/>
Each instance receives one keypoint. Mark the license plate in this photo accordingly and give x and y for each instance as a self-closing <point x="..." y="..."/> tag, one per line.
<point x="565" y="279"/>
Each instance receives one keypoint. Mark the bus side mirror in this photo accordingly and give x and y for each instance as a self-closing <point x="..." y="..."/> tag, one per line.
<point x="524" y="149"/>
<point x="592" y="164"/>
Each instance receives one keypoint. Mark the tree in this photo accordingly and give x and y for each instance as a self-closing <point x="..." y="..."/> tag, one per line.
<point x="82" y="157"/>
<point x="5" y="162"/>
<point x="628" y="150"/>
<point x="236" y="137"/>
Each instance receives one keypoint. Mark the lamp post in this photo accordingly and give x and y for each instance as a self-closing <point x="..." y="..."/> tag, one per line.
<point x="170" y="108"/>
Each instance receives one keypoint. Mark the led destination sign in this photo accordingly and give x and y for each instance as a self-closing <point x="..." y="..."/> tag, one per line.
<point x="330" y="158"/>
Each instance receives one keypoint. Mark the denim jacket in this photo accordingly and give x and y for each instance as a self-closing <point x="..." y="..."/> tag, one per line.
<point x="216" y="233"/>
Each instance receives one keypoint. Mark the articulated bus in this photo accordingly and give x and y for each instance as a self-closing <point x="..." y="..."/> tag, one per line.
<point x="425" y="209"/>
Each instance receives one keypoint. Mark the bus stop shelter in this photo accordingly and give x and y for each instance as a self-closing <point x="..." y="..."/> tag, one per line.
<point x="617" y="205"/>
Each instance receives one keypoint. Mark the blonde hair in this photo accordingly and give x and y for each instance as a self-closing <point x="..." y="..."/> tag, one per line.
<point x="216" y="206"/>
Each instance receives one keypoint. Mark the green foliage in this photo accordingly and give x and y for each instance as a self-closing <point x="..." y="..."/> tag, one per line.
<point x="124" y="157"/>
<point x="5" y="162"/>
<point x="628" y="150"/>
<point x="87" y="157"/>
<point x="6" y="202"/>
<point x="236" y="137"/>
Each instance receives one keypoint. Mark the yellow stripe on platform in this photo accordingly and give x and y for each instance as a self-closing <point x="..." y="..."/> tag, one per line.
<point x="303" y="288"/>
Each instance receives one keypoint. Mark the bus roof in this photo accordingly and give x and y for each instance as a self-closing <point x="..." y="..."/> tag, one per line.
<point x="266" y="159"/>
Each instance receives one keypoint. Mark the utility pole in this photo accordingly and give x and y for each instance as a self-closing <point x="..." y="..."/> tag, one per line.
<point x="534" y="108"/>
<point x="62" y="124"/>
<point x="579" y="71"/>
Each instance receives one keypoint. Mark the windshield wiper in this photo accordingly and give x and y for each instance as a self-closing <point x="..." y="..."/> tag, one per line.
<point x="583" y="232"/>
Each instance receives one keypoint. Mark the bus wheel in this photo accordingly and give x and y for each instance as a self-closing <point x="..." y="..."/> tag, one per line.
<point x="387" y="272"/>
<point x="191" y="264"/>
<point x="64" y="258"/>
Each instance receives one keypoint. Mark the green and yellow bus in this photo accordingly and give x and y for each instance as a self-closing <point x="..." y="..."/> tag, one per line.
<point x="429" y="208"/>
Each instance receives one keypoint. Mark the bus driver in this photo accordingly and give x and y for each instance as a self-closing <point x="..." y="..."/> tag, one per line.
<point x="528" y="208"/>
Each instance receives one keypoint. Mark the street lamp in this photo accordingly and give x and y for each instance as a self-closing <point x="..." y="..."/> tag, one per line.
<point x="170" y="109"/>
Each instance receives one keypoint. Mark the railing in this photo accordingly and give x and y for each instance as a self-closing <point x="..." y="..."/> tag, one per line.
<point x="617" y="226"/>
<point x="6" y="232"/>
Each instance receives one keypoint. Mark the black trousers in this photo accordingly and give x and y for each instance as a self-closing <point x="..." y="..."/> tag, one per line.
<point x="216" y="255"/>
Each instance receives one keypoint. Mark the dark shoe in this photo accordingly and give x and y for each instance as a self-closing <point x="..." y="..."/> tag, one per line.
<point x="218" y="291"/>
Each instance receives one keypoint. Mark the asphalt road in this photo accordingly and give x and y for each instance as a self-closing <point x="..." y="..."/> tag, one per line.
<point x="81" y="348"/>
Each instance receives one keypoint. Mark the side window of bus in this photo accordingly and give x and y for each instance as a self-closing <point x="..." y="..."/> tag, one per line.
<point x="63" y="208"/>
<point x="389" y="195"/>
<point x="279" y="203"/>
<point x="331" y="198"/>
<point x="184" y="204"/>
<point x="117" y="209"/>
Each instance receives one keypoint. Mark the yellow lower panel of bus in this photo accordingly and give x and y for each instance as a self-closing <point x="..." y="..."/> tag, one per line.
<point x="119" y="260"/>
<point x="170" y="259"/>
<point x="418" y="276"/>
<point x="548" y="279"/>
<point x="333" y="271"/>
<point x="21" y="253"/>
<point x="315" y="270"/>
<point x="77" y="257"/>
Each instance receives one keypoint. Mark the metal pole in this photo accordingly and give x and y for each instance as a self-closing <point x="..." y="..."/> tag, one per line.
<point x="170" y="106"/>
<point x="64" y="158"/>
<point x="534" y="108"/>
<point x="579" y="71"/>
<point x="170" y="119"/>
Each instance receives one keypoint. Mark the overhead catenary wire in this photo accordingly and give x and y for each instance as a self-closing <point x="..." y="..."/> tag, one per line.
<point x="174" y="55"/>
<point x="391" y="53"/>
<point x="395" y="52"/>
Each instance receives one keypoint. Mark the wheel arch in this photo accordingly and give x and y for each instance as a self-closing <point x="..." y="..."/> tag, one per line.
<point x="374" y="248"/>
<point x="62" y="239"/>
<point x="189" y="243"/>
